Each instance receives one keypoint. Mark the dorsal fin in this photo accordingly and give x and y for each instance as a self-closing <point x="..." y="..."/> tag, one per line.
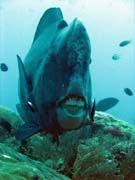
<point x="50" y="16"/>
<point x="62" y="24"/>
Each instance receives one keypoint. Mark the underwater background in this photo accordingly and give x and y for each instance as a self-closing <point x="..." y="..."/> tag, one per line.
<point x="108" y="22"/>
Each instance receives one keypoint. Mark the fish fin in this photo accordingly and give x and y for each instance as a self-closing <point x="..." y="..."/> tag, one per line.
<point x="26" y="130"/>
<point x="62" y="24"/>
<point x="21" y="111"/>
<point x="25" y="84"/>
<point x="50" y="16"/>
<point x="32" y="123"/>
<point x="92" y="113"/>
<point x="26" y="113"/>
<point x="106" y="103"/>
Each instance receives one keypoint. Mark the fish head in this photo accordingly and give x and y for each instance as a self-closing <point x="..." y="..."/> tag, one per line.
<point x="71" y="52"/>
<point x="63" y="78"/>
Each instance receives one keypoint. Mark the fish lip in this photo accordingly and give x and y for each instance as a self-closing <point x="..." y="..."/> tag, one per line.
<point x="61" y="102"/>
<point x="71" y="111"/>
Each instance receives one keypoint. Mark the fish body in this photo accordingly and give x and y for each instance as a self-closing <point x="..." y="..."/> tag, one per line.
<point x="115" y="57"/>
<point x="3" y="67"/>
<point x="55" y="83"/>
<point x="106" y="103"/>
<point x="125" y="43"/>
<point x="128" y="91"/>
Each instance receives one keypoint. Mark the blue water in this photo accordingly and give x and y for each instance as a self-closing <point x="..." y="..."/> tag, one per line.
<point x="108" y="22"/>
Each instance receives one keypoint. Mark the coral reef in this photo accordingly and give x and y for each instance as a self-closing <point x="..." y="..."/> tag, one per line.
<point x="10" y="116"/>
<point x="104" y="150"/>
<point x="109" y="154"/>
<point x="15" y="166"/>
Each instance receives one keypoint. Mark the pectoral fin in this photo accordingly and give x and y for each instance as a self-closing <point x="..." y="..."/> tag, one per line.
<point x="27" y="130"/>
<point x="92" y="113"/>
<point x="26" y="113"/>
<point x="25" y="84"/>
<point x="32" y="124"/>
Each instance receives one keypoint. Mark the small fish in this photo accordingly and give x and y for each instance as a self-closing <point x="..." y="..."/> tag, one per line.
<point x="125" y="43"/>
<point x="128" y="91"/>
<point x="115" y="57"/>
<point x="105" y="104"/>
<point x="3" y="67"/>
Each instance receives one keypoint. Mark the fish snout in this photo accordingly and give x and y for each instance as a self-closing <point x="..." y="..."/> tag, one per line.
<point x="76" y="88"/>
<point x="72" y="110"/>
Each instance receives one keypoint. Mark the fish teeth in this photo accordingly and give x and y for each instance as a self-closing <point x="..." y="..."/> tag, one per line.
<point x="74" y="102"/>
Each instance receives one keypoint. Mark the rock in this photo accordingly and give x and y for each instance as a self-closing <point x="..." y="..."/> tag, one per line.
<point x="15" y="166"/>
<point x="11" y="117"/>
<point x="109" y="153"/>
<point x="12" y="120"/>
<point x="99" y="151"/>
<point x="104" y="150"/>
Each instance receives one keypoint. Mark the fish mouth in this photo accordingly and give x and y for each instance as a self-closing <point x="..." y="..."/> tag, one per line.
<point x="73" y="105"/>
<point x="71" y="112"/>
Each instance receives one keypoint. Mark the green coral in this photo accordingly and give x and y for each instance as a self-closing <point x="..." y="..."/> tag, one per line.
<point x="127" y="163"/>
<point x="15" y="166"/>
<point x="14" y="120"/>
<point x="108" y="154"/>
<point x="93" y="152"/>
<point x="10" y="116"/>
<point x="104" y="150"/>
<point x="95" y="162"/>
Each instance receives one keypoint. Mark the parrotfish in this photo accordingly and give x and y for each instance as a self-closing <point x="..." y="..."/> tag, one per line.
<point x="106" y="103"/>
<point x="115" y="57"/>
<point x="54" y="78"/>
<point x="3" y="67"/>
<point x="128" y="91"/>
<point x="125" y="43"/>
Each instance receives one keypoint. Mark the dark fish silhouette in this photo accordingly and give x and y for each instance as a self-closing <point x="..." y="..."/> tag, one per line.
<point x="115" y="57"/>
<point x="3" y="67"/>
<point x="125" y="43"/>
<point x="128" y="91"/>
<point x="106" y="104"/>
<point x="55" y="82"/>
